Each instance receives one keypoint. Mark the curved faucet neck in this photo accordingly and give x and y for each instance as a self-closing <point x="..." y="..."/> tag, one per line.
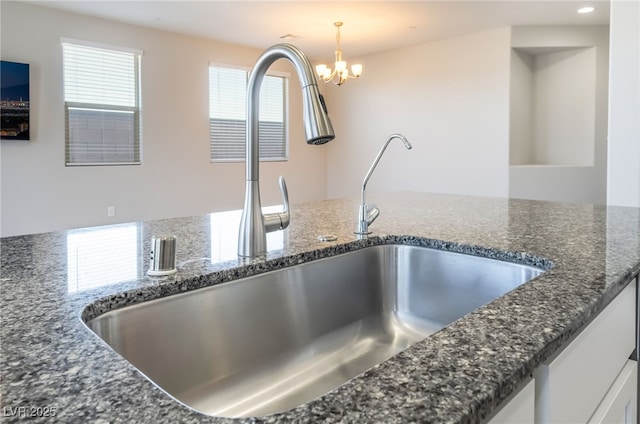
<point x="305" y="75"/>
<point x="377" y="159"/>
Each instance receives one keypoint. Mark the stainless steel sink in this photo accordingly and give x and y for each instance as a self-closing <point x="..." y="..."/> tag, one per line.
<point x="268" y="343"/>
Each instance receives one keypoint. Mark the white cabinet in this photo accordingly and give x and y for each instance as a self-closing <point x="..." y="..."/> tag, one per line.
<point x="619" y="405"/>
<point x="519" y="409"/>
<point x="591" y="381"/>
<point x="575" y="382"/>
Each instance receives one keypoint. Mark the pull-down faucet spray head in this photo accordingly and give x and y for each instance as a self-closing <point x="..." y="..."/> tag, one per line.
<point x="317" y="125"/>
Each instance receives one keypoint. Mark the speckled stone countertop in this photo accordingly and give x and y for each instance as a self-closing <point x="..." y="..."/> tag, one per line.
<point x="49" y="359"/>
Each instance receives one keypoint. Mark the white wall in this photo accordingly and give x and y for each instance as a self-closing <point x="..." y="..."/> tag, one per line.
<point x="450" y="98"/>
<point x="521" y="108"/>
<point x="623" y="181"/>
<point x="565" y="107"/>
<point x="38" y="193"/>
<point x="569" y="74"/>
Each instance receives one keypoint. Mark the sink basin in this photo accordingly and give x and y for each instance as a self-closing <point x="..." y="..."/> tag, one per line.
<point x="268" y="343"/>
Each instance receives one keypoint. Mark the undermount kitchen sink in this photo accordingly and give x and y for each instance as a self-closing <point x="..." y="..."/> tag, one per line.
<point x="268" y="343"/>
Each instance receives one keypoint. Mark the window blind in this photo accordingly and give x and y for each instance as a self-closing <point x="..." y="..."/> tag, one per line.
<point x="102" y="104"/>
<point x="227" y="115"/>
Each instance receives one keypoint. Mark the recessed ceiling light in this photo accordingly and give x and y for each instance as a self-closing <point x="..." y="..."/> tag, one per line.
<point x="586" y="9"/>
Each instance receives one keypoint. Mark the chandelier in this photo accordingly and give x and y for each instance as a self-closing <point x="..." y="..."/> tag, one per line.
<point x="340" y="72"/>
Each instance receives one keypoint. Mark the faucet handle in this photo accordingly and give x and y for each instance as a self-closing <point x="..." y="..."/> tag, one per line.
<point x="372" y="213"/>
<point x="279" y="220"/>
<point x="285" y="196"/>
<point x="366" y="215"/>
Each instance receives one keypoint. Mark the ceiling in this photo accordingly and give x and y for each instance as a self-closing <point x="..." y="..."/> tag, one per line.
<point x="369" y="26"/>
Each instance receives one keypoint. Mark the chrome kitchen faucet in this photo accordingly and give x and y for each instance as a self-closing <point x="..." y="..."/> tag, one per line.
<point x="254" y="226"/>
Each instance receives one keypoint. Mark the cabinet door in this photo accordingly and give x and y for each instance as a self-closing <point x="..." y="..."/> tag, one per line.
<point x="619" y="406"/>
<point x="570" y="388"/>
<point x="519" y="409"/>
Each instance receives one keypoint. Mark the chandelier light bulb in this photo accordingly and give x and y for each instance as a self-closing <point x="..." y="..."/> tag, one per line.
<point x="340" y="72"/>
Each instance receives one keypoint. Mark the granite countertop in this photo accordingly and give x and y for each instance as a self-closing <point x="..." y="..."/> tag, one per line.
<point x="49" y="359"/>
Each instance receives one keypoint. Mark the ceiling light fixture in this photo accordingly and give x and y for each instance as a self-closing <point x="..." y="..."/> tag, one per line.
<point x="586" y="9"/>
<point x="340" y="72"/>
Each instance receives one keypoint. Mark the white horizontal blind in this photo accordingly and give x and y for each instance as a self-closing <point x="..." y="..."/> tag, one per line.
<point x="102" y="105"/>
<point x="227" y="115"/>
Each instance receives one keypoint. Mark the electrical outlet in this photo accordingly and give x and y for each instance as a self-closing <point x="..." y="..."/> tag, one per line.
<point x="111" y="211"/>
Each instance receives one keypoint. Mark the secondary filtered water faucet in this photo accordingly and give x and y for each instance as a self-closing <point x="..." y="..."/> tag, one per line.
<point x="368" y="213"/>
<point x="254" y="226"/>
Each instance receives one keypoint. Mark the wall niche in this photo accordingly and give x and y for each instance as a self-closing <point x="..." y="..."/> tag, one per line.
<point x="558" y="113"/>
<point x="553" y="104"/>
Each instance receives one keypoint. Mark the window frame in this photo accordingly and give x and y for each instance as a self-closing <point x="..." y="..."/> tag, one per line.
<point x="136" y="110"/>
<point x="286" y="77"/>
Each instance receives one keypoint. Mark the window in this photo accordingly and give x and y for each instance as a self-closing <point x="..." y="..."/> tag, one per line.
<point x="102" y="104"/>
<point x="227" y="115"/>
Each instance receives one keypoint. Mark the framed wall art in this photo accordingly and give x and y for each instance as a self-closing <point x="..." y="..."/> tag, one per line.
<point x="14" y="100"/>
